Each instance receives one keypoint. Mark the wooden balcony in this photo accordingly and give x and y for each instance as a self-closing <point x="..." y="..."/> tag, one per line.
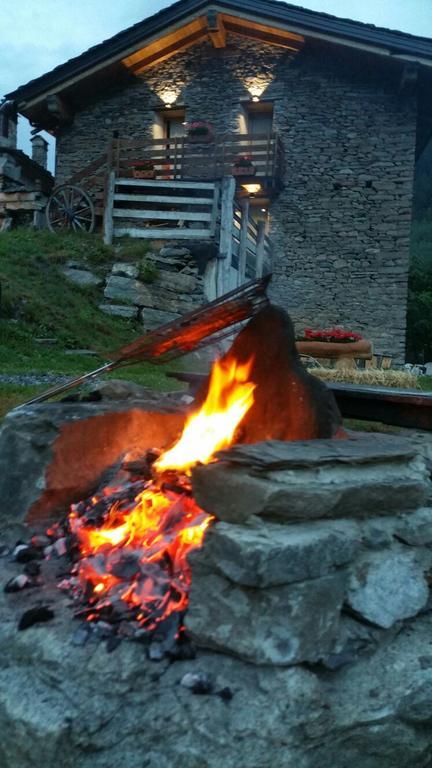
<point x="183" y="159"/>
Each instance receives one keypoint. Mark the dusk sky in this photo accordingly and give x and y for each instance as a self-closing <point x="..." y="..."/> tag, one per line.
<point x="36" y="36"/>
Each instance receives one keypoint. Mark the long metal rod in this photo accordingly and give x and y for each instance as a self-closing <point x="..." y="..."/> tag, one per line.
<point x="172" y="340"/>
<point x="57" y="390"/>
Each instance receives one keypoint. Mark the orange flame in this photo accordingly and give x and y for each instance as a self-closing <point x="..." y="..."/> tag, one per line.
<point x="229" y="398"/>
<point x="161" y="526"/>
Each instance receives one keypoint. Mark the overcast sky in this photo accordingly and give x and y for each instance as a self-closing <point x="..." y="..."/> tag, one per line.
<point x="37" y="35"/>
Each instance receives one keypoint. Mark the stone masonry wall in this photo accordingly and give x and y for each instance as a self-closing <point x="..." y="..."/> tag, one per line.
<point x="341" y="225"/>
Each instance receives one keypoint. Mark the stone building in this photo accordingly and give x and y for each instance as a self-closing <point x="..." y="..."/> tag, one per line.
<point x="25" y="183"/>
<point x="345" y="108"/>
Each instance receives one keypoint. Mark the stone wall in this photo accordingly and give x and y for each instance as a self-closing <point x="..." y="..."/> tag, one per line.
<point x="341" y="225"/>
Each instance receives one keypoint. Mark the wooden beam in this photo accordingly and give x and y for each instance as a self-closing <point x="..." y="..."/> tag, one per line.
<point x="59" y="109"/>
<point x="108" y="212"/>
<point x="216" y="30"/>
<point x="166" y="46"/>
<point x="169" y="184"/>
<point x="263" y="32"/>
<point x="136" y="213"/>
<point x="162" y="233"/>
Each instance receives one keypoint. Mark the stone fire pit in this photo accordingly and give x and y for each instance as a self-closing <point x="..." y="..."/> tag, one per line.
<point x="310" y="609"/>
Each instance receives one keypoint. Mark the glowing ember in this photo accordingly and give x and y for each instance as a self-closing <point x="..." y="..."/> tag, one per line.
<point x="133" y="540"/>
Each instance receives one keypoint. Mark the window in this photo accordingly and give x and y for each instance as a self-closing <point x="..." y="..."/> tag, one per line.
<point x="259" y="118"/>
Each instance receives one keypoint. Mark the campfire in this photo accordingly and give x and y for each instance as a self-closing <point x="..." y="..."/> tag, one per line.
<point x="128" y="543"/>
<point x="131" y="541"/>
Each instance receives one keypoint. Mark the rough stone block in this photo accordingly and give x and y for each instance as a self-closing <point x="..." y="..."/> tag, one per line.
<point x="81" y="277"/>
<point x="281" y="625"/>
<point x="123" y="269"/>
<point x="313" y="479"/>
<point x="387" y="587"/>
<point x="130" y="313"/>
<point x="128" y="290"/>
<point x="54" y="454"/>
<point x="176" y="281"/>
<point x="416" y="529"/>
<point x="264" y="554"/>
<point x="153" y="318"/>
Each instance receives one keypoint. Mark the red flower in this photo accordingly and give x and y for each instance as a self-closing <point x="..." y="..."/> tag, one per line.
<point x="332" y="335"/>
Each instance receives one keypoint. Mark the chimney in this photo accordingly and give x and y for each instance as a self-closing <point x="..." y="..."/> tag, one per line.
<point x="40" y="151"/>
<point x="8" y="124"/>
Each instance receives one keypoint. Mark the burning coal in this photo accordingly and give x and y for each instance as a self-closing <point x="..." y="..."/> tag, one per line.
<point x="132" y="540"/>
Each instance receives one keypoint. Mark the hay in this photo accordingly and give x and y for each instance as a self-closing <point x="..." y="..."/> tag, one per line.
<point x="372" y="377"/>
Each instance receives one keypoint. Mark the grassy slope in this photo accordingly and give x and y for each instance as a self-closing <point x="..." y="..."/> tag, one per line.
<point x="37" y="302"/>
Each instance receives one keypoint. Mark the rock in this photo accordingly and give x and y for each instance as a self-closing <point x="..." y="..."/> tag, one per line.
<point x="416" y="529"/>
<point x="170" y="250"/>
<point x="153" y="318"/>
<point x="176" y="281"/>
<point x="267" y="554"/>
<point x="280" y="625"/>
<point x="62" y="449"/>
<point x="416" y="706"/>
<point x="355" y="639"/>
<point x="81" y="277"/>
<point x="101" y="710"/>
<point x="128" y="290"/>
<point x="131" y="313"/>
<point x="313" y="479"/>
<point x="119" y="389"/>
<point x="125" y="270"/>
<point x="387" y="587"/>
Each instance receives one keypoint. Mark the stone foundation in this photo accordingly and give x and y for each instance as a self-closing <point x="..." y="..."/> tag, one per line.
<point x="313" y="630"/>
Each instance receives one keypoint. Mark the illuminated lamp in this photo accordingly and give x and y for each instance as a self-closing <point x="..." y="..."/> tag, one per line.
<point x="252" y="189"/>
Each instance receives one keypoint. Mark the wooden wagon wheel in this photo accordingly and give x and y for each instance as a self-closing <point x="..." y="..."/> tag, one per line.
<point x="70" y="208"/>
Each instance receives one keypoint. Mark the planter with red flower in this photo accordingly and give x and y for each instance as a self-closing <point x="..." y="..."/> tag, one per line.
<point x="243" y="166"/>
<point x="199" y="132"/>
<point x="143" y="169"/>
<point x="334" y="343"/>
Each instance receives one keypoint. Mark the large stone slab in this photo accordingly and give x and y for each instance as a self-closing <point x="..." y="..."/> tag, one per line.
<point x="280" y="625"/>
<point x="153" y="318"/>
<point x="378" y="475"/>
<point x="176" y="281"/>
<point x="54" y="454"/>
<point x="81" y="707"/>
<point x="129" y="290"/>
<point x="82" y="277"/>
<point x="265" y="554"/>
<point x="118" y="310"/>
<point x="387" y="587"/>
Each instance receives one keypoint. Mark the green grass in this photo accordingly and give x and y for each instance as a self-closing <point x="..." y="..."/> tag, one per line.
<point x="425" y="383"/>
<point x="37" y="302"/>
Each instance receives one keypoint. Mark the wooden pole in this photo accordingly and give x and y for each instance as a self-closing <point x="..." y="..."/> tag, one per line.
<point x="109" y="205"/>
<point x="260" y="252"/>
<point x="225" y="240"/>
<point x="241" y="278"/>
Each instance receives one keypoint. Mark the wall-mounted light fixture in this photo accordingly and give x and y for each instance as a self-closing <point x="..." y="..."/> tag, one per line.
<point x="257" y="85"/>
<point x="169" y="98"/>
<point x="252" y="189"/>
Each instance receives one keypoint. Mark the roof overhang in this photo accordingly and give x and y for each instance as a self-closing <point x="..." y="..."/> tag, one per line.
<point x="188" y="21"/>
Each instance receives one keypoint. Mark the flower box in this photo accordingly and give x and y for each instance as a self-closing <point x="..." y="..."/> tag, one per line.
<point x="243" y="170"/>
<point x="334" y="349"/>
<point x="199" y="132"/>
<point x="200" y="138"/>
<point x="143" y="173"/>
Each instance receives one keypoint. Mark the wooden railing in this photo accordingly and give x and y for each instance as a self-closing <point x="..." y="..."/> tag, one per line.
<point x="184" y="159"/>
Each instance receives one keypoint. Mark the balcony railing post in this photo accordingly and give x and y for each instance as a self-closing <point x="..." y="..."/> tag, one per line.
<point x="260" y="250"/>
<point x="225" y="237"/>
<point x="243" y="242"/>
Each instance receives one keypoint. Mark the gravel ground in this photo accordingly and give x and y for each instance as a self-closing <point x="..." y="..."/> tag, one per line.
<point x="33" y="379"/>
